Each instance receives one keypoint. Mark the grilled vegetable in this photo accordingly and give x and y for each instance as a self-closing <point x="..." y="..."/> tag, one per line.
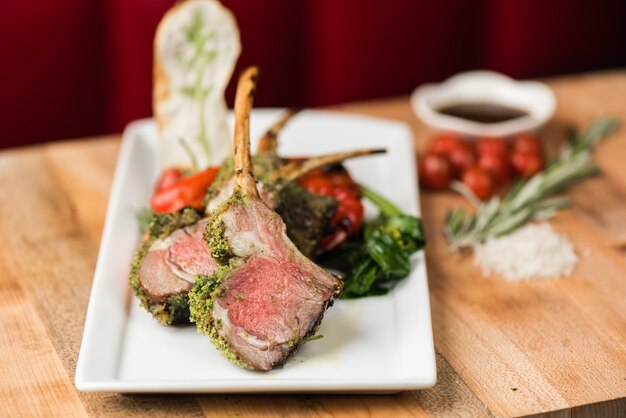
<point x="371" y="265"/>
<point x="335" y="182"/>
<point x="168" y="177"/>
<point x="188" y="191"/>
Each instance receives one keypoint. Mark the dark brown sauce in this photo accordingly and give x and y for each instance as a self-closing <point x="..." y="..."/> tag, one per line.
<point x="482" y="112"/>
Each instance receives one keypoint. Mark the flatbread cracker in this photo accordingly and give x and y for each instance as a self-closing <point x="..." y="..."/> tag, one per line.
<point x="195" y="49"/>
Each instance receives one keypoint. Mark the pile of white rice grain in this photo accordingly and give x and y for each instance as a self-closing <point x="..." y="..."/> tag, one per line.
<point x="534" y="251"/>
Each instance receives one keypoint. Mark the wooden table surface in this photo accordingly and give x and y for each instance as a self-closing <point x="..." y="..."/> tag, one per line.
<point x="503" y="349"/>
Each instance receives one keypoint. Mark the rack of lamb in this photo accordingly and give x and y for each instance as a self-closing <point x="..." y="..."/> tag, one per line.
<point x="266" y="298"/>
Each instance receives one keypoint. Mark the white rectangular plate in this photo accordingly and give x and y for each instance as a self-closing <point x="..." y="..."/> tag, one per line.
<point x="376" y="344"/>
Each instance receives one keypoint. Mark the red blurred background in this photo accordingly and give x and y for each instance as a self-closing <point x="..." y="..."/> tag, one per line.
<point x="76" y="68"/>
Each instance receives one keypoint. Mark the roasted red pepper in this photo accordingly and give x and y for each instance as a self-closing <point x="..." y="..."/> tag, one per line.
<point x="168" y="177"/>
<point x="182" y="192"/>
<point x="336" y="182"/>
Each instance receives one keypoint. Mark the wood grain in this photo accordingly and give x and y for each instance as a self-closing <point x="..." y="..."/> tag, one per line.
<point x="554" y="348"/>
<point x="34" y="382"/>
<point x="451" y="397"/>
<point x="545" y="346"/>
<point x="401" y="405"/>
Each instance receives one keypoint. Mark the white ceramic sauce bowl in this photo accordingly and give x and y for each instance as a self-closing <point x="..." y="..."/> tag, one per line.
<point x="534" y="98"/>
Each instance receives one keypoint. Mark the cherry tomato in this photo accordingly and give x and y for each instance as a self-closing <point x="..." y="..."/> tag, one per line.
<point x="479" y="182"/>
<point x="495" y="146"/>
<point x="497" y="166"/>
<point x="435" y="171"/>
<point x="168" y="177"/>
<point x="462" y="157"/>
<point x="444" y="142"/>
<point x="188" y="191"/>
<point x="527" y="144"/>
<point x="526" y="164"/>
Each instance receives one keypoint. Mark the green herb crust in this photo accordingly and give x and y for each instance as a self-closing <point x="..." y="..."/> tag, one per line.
<point x="214" y="232"/>
<point x="265" y="165"/>
<point x="201" y="298"/>
<point x="178" y="308"/>
<point x="306" y="216"/>
<point x="175" y="309"/>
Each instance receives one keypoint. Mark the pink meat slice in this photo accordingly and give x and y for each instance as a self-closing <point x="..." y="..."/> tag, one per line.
<point x="171" y="265"/>
<point x="189" y="254"/>
<point x="262" y="296"/>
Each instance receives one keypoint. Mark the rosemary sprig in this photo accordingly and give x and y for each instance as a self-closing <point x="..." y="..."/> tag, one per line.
<point x="528" y="200"/>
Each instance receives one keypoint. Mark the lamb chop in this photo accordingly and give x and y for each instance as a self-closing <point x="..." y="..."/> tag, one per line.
<point x="166" y="264"/>
<point x="264" y="301"/>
